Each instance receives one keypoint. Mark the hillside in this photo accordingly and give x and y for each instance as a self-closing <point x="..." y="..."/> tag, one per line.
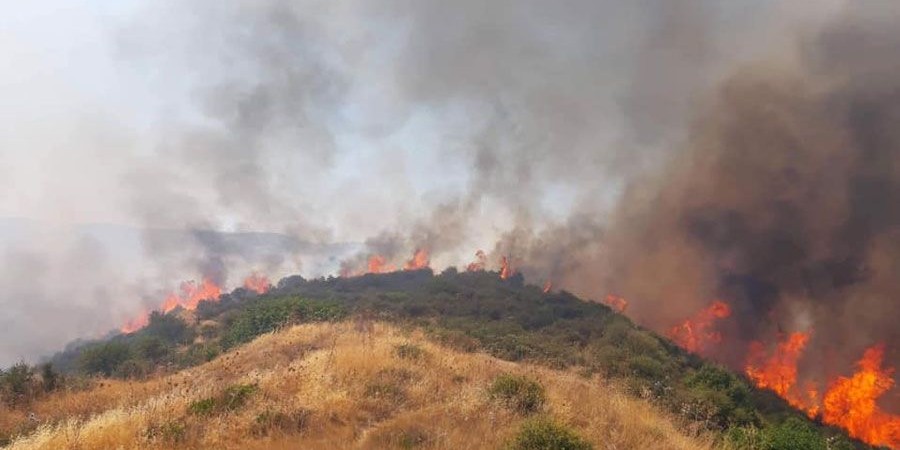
<point x="429" y="374"/>
<point x="344" y="386"/>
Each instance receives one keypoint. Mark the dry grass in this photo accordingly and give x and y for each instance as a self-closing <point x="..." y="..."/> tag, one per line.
<point x="327" y="386"/>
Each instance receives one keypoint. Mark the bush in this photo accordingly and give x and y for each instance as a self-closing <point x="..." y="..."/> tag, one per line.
<point x="17" y="384"/>
<point x="793" y="434"/>
<point x="544" y="434"/>
<point x="518" y="393"/>
<point x="290" y="422"/>
<point x="232" y="398"/>
<point x="409" y="351"/>
<point x="266" y="316"/>
<point x="169" y="328"/>
<point x="104" y="358"/>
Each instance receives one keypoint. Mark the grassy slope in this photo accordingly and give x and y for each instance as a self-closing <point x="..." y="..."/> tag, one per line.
<point x="340" y="386"/>
<point x="466" y="311"/>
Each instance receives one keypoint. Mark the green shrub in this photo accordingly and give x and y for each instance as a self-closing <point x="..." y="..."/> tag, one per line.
<point x="104" y="358"/>
<point x="169" y="432"/>
<point x="290" y="422"/>
<point x="409" y="351"/>
<point x="203" y="407"/>
<point x="232" y="398"/>
<point x="169" y="328"/>
<point x="518" y="393"/>
<point x="266" y="316"/>
<point x="17" y="384"/>
<point x="793" y="434"/>
<point x="542" y="433"/>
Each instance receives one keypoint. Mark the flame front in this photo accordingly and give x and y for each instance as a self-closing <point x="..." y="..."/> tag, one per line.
<point x="778" y="372"/>
<point x="697" y="334"/>
<point x="137" y="323"/>
<point x="850" y="403"/>
<point x="379" y="264"/>
<point x="420" y="260"/>
<point x="618" y="304"/>
<point x="257" y="283"/>
<point x="191" y="293"/>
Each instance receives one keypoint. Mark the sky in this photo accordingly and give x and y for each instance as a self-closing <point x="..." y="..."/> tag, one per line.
<point x="387" y="124"/>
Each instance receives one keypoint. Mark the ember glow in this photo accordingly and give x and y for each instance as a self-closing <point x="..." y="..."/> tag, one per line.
<point x="420" y="260"/>
<point x="618" y="304"/>
<point x="778" y="371"/>
<point x="257" y="283"/>
<point x="698" y="333"/>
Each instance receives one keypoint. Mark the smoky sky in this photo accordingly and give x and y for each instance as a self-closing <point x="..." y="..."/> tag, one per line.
<point x="594" y="142"/>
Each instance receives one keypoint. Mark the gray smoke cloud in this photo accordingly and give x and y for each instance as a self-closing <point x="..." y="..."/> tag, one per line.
<point x="294" y="136"/>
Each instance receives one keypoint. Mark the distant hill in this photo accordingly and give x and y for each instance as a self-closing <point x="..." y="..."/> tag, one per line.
<point x="402" y="360"/>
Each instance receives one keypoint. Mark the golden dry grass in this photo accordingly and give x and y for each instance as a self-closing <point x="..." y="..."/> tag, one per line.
<point x="327" y="386"/>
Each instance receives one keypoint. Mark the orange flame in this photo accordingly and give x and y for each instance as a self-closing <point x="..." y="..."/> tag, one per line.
<point x="379" y="264"/>
<point x="505" y="270"/>
<point x="778" y="372"/>
<point x="479" y="263"/>
<point x="618" y="304"/>
<point x="420" y="260"/>
<point x="257" y="283"/>
<point x="190" y="296"/>
<point x="136" y="324"/>
<point x="696" y="334"/>
<point x="851" y="402"/>
<point x="548" y="286"/>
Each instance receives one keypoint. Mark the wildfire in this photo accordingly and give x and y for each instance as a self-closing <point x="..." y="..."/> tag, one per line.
<point x="548" y="286"/>
<point x="778" y="372"/>
<point x="191" y="293"/>
<point x="379" y="264"/>
<point x="505" y="270"/>
<point x="851" y="402"/>
<point x="420" y="260"/>
<point x="257" y="283"/>
<point x="696" y="334"/>
<point x="618" y="304"/>
<point x="479" y="263"/>
<point x="136" y="324"/>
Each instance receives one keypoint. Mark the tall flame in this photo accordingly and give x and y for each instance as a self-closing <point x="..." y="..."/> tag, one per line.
<point x="618" y="304"/>
<point x="257" y="283"/>
<point x="548" y="286"/>
<point x="697" y="334"/>
<point x="505" y="270"/>
<point x="479" y="263"/>
<point x="778" y="372"/>
<point x="851" y="402"/>
<point x="420" y="260"/>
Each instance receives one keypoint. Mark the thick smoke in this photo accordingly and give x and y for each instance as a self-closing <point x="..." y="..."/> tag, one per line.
<point x="782" y="201"/>
<point x="611" y="147"/>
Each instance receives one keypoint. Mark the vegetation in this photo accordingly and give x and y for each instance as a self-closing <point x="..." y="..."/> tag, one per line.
<point x="541" y="434"/>
<point x="305" y="387"/>
<point x="519" y="393"/>
<point x="466" y="312"/>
